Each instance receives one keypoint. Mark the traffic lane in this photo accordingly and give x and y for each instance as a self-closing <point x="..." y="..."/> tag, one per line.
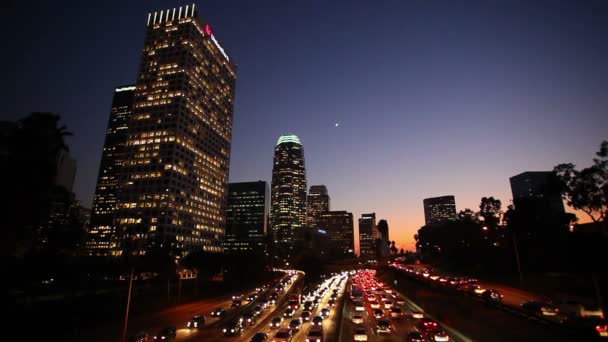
<point x="213" y="330"/>
<point x="263" y="324"/>
<point x="329" y="324"/>
<point x="348" y="327"/>
<point x="474" y="318"/>
<point x="154" y="322"/>
<point x="512" y="296"/>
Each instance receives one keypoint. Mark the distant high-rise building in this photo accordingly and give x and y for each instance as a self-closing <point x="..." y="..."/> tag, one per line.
<point x="383" y="230"/>
<point x="439" y="209"/>
<point x="538" y="191"/>
<point x="66" y="171"/>
<point x="102" y="231"/>
<point x="288" y="193"/>
<point x="174" y="177"/>
<point x="246" y="217"/>
<point x="317" y="202"/>
<point x="368" y="233"/>
<point x="339" y="227"/>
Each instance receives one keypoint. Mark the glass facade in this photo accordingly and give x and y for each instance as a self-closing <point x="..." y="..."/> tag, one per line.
<point x="288" y="193"/>
<point x="368" y="233"/>
<point x="246" y="218"/>
<point x="439" y="209"/>
<point x="317" y="203"/>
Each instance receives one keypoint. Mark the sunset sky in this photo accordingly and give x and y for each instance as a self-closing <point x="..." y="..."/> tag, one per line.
<point x="432" y="97"/>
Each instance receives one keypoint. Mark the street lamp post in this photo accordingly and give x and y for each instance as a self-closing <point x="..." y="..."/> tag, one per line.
<point x="521" y="276"/>
<point x="124" y="330"/>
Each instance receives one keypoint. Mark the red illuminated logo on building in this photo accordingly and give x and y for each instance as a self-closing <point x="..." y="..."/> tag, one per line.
<point x="208" y="29"/>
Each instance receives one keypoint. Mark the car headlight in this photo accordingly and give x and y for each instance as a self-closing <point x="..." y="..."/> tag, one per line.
<point x="231" y="330"/>
<point x="224" y="330"/>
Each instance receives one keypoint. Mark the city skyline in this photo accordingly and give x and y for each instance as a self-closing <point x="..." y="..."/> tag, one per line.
<point x="538" y="122"/>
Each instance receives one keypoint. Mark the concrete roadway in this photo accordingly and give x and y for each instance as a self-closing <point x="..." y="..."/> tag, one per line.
<point x="329" y="324"/>
<point x="400" y="326"/>
<point x="474" y="318"/>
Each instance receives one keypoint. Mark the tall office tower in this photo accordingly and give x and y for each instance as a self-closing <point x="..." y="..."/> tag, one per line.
<point x="338" y="225"/>
<point x="383" y="230"/>
<point x="246" y="217"/>
<point x="537" y="191"/>
<point x="177" y="155"/>
<point x="316" y="203"/>
<point x="368" y="233"/>
<point x="102" y="229"/>
<point x="288" y="193"/>
<point x="439" y="209"/>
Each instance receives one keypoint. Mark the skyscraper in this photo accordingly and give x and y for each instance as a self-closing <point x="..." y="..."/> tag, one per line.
<point x="246" y="217"/>
<point x="316" y="203"/>
<point x="288" y="193"/>
<point x="537" y="191"/>
<point x="338" y="225"/>
<point x="176" y="160"/>
<point x="102" y="230"/>
<point x="439" y="209"/>
<point x="368" y="233"/>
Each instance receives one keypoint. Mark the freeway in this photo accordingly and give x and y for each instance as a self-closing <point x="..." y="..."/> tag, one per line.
<point x="400" y="326"/>
<point x="476" y="319"/>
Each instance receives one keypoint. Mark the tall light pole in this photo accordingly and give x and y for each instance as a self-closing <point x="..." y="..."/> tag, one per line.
<point x="521" y="276"/>
<point x="124" y="330"/>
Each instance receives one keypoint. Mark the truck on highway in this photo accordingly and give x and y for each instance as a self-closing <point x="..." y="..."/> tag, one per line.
<point x="294" y="301"/>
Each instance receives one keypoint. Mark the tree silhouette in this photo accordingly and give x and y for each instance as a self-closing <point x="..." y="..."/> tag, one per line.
<point x="31" y="149"/>
<point x="587" y="189"/>
<point x="489" y="209"/>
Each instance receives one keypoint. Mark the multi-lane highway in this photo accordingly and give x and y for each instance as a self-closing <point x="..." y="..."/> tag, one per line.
<point x="353" y="307"/>
<point x="376" y="295"/>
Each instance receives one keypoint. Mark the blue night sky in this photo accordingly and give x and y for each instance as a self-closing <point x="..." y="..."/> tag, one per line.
<point x="432" y="97"/>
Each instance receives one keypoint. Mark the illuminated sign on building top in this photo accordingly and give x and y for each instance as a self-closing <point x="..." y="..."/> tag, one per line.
<point x="219" y="47"/>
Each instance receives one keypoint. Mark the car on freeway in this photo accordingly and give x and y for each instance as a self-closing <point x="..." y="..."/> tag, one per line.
<point x="378" y="313"/>
<point x="252" y="297"/>
<point x="233" y="328"/>
<point x="166" y="334"/>
<point x="306" y="316"/>
<point x="359" y="334"/>
<point x="289" y="313"/>
<point x="295" y="325"/>
<point x="357" y="319"/>
<point x="331" y="303"/>
<point x="399" y="301"/>
<point x="417" y="314"/>
<point x="218" y="312"/>
<point x="388" y="304"/>
<point x="315" y="334"/>
<point x="260" y="337"/>
<point x="257" y="310"/>
<point x="540" y="308"/>
<point x="440" y="336"/>
<point x="308" y="305"/>
<point x="196" y="322"/>
<point x="249" y="318"/>
<point x="427" y="326"/>
<point x="383" y="326"/>
<point x="602" y="329"/>
<point x="276" y="322"/>
<point x="141" y="336"/>
<point x="325" y="312"/>
<point x="283" y="335"/>
<point x="318" y="320"/>
<point x="492" y="296"/>
<point x="359" y="306"/>
<point x="396" y="312"/>
<point x="374" y="305"/>
<point x="414" y="336"/>
<point x="474" y="288"/>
